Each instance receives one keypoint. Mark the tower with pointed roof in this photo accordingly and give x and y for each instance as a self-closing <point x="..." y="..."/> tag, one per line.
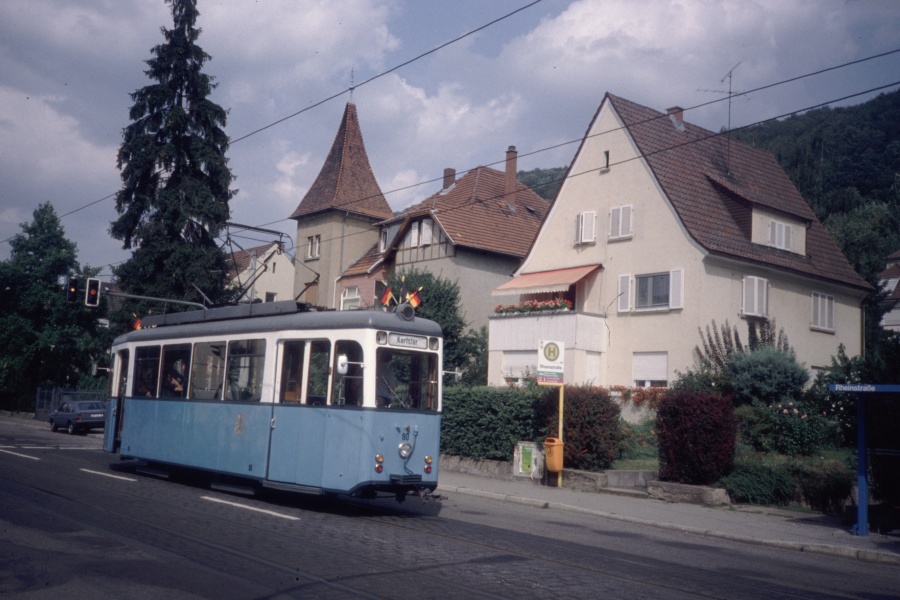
<point x="336" y="216"/>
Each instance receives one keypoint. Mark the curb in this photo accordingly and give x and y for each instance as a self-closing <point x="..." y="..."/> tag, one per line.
<point x="870" y="556"/>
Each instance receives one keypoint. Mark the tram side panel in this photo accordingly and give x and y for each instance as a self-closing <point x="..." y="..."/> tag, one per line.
<point x="298" y="445"/>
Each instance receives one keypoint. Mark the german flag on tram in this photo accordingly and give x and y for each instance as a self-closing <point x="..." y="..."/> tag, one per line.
<point x="383" y="292"/>
<point x="414" y="298"/>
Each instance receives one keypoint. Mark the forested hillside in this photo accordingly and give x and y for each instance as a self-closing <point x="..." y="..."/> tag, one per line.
<point x="846" y="163"/>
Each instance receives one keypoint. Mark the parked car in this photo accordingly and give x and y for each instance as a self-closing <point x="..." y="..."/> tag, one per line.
<point x="79" y="415"/>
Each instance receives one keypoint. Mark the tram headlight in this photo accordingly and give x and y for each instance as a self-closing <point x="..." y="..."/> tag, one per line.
<point x="405" y="450"/>
<point x="381" y="337"/>
<point x="379" y="458"/>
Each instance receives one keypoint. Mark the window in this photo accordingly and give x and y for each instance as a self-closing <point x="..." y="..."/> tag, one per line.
<point x="780" y="235"/>
<point x="348" y="388"/>
<point x="414" y="235"/>
<point x="620" y="222"/>
<point x="650" y="369"/>
<point x="822" y="311"/>
<point x="585" y="227"/>
<point x="246" y="360"/>
<point x="207" y="371"/>
<point x="755" y="297"/>
<point x="271" y="296"/>
<point x="427" y="232"/>
<point x="652" y="292"/>
<point x="384" y="240"/>
<point x="312" y="246"/>
<point x="350" y="298"/>
<point x="176" y="363"/>
<point x="146" y="371"/>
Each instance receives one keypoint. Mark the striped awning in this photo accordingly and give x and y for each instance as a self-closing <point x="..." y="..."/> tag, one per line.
<point x="558" y="280"/>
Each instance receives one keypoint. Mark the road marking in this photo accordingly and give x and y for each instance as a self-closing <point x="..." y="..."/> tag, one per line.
<point x="108" y="475"/>
<point x="235" y="504"/>
<point x="20" y="455"/>
<point x="56" y="448"/>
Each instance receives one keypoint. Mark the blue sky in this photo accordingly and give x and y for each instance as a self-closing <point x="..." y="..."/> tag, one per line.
<point x="533" y="80"/>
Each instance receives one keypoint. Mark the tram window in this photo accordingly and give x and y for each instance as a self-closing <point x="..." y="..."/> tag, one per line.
<point x="319" y="363"/>
<point x="348" y="388"/>
<point x="176" y="359"/>
<point x="146" y="371"/>
<point x="208" y="371"/>
<point x="406" y="380"/>
<point x="246" y="359"/>
<point x="292" y="371"/>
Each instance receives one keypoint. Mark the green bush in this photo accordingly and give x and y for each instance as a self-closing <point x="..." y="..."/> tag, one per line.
<point x="789" y="428"/>
<point x="767" y="374"/>
<point x="824" y="485"/>
<point x="638" y="439"/>
<point x="696" y="433"/>
<point x="486" y="422"/>
<point x="757" y="483"/>
<point x="590" y="428"/>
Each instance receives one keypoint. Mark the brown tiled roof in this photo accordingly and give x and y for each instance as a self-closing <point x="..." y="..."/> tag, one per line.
<point x="346" y="181"/>
<point x="240" y="260"/>
<point x="363" y="264"/>
<point x="474" y="213"/>
<point x="712" y="182"/>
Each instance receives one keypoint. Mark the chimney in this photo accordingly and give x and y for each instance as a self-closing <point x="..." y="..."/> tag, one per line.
<point x="510" y="186"/>
<point x="449" y="177"/>
<point x="676" y="114"/>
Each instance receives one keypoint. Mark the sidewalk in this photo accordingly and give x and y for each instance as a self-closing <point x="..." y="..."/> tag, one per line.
<point x="801" y="531"/>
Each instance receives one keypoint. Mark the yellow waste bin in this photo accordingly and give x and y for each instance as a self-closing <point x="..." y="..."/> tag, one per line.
<point x="553" y="454"/>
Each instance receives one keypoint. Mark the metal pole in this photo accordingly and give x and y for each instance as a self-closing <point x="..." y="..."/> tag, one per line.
<point x="862" y="469"/>
<point x="562" y="446"/>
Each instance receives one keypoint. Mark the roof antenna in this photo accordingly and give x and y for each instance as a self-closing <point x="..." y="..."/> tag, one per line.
<point x="727" y="76"/>
<point x="352" y="86"/>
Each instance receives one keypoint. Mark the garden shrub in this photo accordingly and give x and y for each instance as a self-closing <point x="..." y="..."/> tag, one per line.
<point x="590" y="428"/>
<point x="757" y="483"/>
<point x="696" y="434"/>
<point x="788" y="427"/>
<point x="638" y="439"/>
<point x="767" y="374"/>
<point x="824" y="485"/>
<point x="487" y="422"/>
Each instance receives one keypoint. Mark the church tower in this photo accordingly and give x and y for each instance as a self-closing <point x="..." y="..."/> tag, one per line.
<point x="335" y="219"/>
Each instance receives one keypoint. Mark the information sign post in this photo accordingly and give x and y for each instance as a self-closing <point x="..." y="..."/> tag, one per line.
<point x="550" y="372"/>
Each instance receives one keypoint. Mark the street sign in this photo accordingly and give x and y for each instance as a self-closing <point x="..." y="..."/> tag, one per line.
<point x="551" y="363"/>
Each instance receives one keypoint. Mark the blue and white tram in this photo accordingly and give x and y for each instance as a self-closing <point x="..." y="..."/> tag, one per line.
<point x="318" y="402"/>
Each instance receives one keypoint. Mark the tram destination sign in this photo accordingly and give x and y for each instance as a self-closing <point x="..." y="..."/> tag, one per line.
<point x="408" y="341"/>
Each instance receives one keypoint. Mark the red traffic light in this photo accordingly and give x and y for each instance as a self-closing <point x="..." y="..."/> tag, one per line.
<point x="92" y="292"/>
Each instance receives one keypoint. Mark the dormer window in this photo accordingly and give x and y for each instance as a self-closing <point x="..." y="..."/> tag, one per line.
<point x="384" y="239"/>
<point x="781" y="235"/>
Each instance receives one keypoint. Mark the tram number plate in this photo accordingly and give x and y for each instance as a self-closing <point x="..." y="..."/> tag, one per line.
<point x="408" y="341"/>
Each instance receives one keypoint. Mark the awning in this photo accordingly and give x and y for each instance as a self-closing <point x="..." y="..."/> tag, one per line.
<point x="544" y="281"/>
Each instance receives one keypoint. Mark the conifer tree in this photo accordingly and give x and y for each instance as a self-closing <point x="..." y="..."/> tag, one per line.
<point x="176" y="181"/>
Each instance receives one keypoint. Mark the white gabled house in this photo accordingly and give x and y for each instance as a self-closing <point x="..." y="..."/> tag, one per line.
<point x="660" y="228"/>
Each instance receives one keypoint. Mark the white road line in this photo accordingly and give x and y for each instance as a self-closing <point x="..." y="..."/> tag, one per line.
<point x="56" y="448"/>
<point x="235" y="504"/>
<point x="20" y="455"/>
<point x="108" y="475"/>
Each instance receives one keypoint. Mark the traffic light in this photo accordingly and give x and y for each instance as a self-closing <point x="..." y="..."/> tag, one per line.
<point x="72" y="289"/>
<point x="92" y="292"/>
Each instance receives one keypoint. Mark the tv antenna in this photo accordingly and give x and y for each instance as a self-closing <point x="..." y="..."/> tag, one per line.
<point x="731" y="94"/>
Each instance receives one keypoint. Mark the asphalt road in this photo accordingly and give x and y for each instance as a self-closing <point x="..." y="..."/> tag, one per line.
<point x="75" y="522"/>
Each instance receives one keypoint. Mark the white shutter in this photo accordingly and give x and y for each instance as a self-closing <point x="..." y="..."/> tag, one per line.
<point x="676" y="288"/>
<point x="615" y="222"/>
<point x="427" y="231"/>
<point x="588" y="226"/>
<point x="578" y="227"/>
<point x="773" y="235"/>
<point x="755" y="292"/>
<point x="625" y="228"/>
<point x="624" y="293"/>
<point x="788" y="237"/>
<point x="414" y="235"/>
<point x="650" y="366"/>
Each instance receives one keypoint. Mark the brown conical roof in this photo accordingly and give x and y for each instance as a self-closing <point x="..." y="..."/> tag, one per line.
<point x="346" y="181"/>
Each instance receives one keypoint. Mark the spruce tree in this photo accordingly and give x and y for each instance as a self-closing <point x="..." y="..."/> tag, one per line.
<point x="176" y="180"/>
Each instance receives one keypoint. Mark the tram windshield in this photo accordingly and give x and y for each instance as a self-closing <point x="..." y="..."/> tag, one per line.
<point x="406" y="380"/>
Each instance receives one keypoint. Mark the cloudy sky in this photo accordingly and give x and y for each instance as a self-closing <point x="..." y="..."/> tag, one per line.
<point x="533" y="80"/>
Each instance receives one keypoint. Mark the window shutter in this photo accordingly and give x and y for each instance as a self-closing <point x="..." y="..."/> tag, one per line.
<point x="587" y="226"/>
<point x="625" y="228"/>
<point x="676" y="288"/>
<point x="427" y="231"/>
<point x="578" y="227"/>
<point x="773" y="235"/>
<point x="755" y="296"/>
<point x="788" y="237"/>
<point x="414" y="235"/>
<point x="615" y="220"/>
<point x="624" y="293"/>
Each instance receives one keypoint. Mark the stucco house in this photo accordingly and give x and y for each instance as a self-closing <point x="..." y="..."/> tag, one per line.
<point x="264" y="273"/>
<point x="337" y="216"/>
<point x="890" y="277"/>
<point x="659" y="229"/>
<point x="475" y="231"/>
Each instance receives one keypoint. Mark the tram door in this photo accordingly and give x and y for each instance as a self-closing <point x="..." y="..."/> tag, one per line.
<point x="112" y="432"/>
